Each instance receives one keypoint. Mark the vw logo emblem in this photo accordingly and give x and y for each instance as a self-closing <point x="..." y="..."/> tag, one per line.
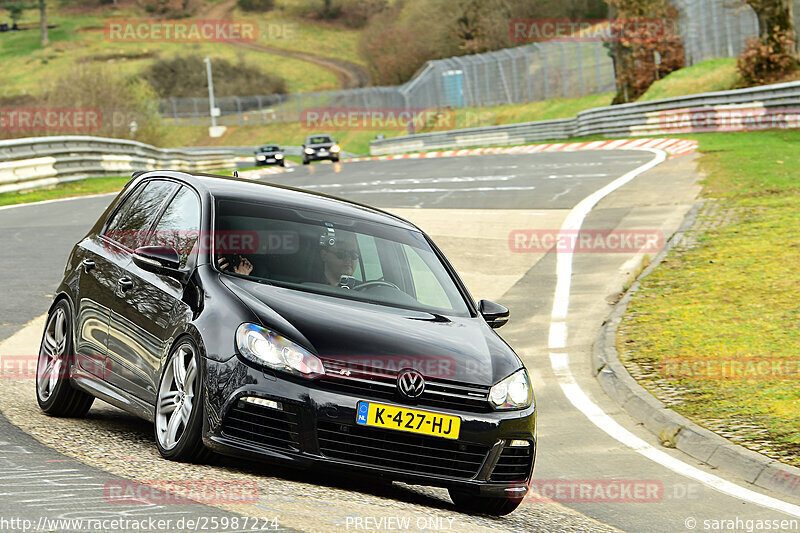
<point x="410" y="383"/>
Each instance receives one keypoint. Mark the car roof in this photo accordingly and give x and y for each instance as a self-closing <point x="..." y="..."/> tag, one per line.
<point x="240" y="189"/>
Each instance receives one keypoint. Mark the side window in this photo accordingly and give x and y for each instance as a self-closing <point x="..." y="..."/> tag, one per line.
<point x="179" y="227"/>
<point x="131" y="223"/>
<point x="429" y="290"/>
<point x="369" y="258"/>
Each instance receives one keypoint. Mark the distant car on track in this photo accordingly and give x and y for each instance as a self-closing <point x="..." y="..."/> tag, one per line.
<point x="256" y="320"/>
<point x="270" y="154"/>
<point x="319" y="148"/>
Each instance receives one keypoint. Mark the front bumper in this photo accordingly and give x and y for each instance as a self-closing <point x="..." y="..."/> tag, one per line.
<point x="316" y="156"/>
<point x="315" y="427"/>
<point x="275" y="161"/>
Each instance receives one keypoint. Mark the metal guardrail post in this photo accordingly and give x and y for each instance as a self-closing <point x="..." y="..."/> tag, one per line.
<point x="239" y="109"/>
<point x="563" y="69"/>
<point x="175" y="111"/>
<point x="598" y="85"/>
<point x="546" y="71"/>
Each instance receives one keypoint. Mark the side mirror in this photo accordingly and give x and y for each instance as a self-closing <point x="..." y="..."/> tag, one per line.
<point x="159" y="260"/>
<point x="496" y="315"/>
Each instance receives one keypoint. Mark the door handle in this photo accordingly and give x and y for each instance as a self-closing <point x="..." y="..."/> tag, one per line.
<point x="88" y="264"/>
<point x="125" y="283"/>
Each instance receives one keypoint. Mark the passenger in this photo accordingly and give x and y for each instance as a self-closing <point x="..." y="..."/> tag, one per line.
<point x="235" y="263"/>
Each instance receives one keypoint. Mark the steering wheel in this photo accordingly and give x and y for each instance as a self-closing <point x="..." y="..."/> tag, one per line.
<point x="377" y="283"/>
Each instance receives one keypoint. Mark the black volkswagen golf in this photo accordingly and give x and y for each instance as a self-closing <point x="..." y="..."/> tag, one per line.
<point x="251" y="319"/>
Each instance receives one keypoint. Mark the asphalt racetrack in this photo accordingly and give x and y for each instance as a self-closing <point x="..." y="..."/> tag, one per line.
<point x="61" y="468"/>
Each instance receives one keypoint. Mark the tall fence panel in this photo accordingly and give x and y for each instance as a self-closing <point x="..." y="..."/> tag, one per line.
<point x="538" y="71"/>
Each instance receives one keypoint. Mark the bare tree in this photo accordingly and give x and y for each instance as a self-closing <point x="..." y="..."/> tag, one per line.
<point x="774" y="17"/>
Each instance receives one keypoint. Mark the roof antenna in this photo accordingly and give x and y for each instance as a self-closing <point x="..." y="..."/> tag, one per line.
<point x="235" y="173"/>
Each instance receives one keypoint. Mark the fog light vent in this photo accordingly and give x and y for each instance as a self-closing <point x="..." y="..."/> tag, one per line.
<point x="262" y="402"/>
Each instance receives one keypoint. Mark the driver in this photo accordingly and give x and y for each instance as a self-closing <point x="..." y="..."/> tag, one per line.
<point x="340" y="259"/>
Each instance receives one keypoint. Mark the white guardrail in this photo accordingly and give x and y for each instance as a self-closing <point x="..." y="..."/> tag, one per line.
<point x="41" y="161"/>
<point x="765" y="107"/>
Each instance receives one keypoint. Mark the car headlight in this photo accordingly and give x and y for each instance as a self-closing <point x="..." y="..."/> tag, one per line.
<point x="514" y="392"/>
<point x="335" y="148"/>
<point x="278" y="156"/>
<point x="309" y="150"/>
<point x="265" y="347"/>
<point x="261" y="157"/>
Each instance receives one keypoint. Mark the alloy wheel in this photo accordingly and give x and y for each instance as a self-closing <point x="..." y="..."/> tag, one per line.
<point x="176" y="396"/>
<point x="50" y="364"/>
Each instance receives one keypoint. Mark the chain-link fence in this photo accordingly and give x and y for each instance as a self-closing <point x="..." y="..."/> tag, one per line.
<point x="714" y="28"/>
<point x="540" y="71"/>
<point x="515" y="75"/>
<point x="718" y="28"/>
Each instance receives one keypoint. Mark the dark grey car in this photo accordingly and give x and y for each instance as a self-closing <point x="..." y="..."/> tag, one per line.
<point x="270" y="154"/>
<point x="320" y="147"/>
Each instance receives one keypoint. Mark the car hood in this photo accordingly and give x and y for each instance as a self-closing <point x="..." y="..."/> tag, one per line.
<point x="318" y="146"/>
<point x="466" y="349"/>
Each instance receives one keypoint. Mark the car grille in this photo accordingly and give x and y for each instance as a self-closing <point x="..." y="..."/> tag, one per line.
<point x="514" y="464"/>
<point x="417" y="454"/>
<point x="261" y="426"/>
<point x="372" y="383"/>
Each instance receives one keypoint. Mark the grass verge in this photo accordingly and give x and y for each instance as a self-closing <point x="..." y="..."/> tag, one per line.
<point x="64" y="190"/>
<point x="706" y="76"/>
<point x="718" y="322"/>
<point x="357" y="141"/>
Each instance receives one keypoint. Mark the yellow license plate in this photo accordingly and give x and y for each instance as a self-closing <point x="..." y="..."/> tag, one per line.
<point x="411" y="420"/>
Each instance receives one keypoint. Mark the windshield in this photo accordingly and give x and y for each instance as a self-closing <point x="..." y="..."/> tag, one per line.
<point x="321" y="139"/>
<point x="332" y="255"/>
<point x="269" y="148"/>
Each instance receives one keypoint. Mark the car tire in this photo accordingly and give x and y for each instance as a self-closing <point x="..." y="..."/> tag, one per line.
<point x="180" y="393"/>
<point x="54" y="393"/>
<point x="473" y="504"/>
<point x="283" y="163"/>
<point x="305" y="161"/>
<point x="336" y="160"/>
